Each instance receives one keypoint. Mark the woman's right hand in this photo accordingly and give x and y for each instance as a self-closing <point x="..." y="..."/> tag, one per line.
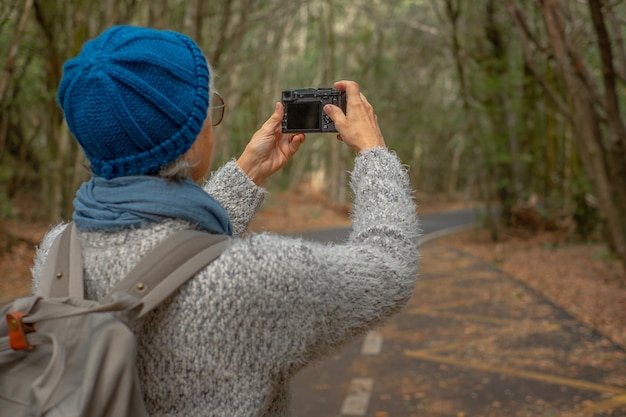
<point x="269" y="149"/>
<point x="358" y="128"/>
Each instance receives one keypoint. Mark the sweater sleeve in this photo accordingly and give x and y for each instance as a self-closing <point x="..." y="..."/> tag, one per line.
<point x="302" y="299"/>
<point x="373" y="275"/>
<point x="238" y="194"/>
<point x="382" y="196"/>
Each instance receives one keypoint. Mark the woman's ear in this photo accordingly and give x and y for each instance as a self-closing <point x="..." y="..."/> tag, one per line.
<point x="201" y="151"/>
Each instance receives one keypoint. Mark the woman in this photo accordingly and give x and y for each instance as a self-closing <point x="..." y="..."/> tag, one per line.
<point x="228" y="342"/>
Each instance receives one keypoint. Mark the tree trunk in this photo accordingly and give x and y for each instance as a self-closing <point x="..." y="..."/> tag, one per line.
<point x="8" y="70"/>
<point x="484" y="184"/>
<point x="586" y="122"/>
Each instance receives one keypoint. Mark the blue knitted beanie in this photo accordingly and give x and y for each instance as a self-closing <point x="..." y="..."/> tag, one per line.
<point x="135" y="99"/>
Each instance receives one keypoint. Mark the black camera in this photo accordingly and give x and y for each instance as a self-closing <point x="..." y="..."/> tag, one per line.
<point x="304" y="109"/>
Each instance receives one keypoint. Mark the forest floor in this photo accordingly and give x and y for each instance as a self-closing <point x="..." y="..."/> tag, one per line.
<point x="581" y="277"/>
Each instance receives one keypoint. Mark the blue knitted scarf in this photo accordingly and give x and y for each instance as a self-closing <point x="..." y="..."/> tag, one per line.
<point x="126" y="202"/>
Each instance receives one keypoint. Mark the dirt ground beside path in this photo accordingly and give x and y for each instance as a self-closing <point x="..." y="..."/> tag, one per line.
<point x="582" y="278"/>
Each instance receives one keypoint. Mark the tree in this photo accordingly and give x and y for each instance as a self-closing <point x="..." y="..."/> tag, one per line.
<point x="594" y="115"/>
<point x="479" y="107"/>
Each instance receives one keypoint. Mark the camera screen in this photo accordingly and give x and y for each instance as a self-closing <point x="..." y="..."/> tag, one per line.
<point x="303" y="115"/>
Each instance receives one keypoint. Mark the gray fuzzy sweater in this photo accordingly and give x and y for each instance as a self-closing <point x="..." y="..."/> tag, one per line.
<point x="229" y="341"/>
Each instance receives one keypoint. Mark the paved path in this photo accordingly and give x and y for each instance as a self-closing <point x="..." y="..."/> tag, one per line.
<point x="432" y="225"/>
<point x="472" y="342"/>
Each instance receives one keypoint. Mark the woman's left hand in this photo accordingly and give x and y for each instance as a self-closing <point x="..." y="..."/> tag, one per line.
<point x="269" y="149"/>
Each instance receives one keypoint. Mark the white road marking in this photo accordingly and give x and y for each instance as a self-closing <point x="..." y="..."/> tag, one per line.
<point x="372" y="344"/>
<point x="358" y="397"/>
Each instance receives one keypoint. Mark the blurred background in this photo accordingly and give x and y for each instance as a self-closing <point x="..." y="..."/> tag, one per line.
<point x="515" y="104"/>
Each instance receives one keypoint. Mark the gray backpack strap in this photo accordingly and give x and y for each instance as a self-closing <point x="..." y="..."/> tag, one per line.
<point x="62" y="274"/>
<point x="165" y="268"/>
<point x="169" y="265"/>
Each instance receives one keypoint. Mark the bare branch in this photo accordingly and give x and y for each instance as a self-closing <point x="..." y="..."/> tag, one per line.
<point x="616" y="124"/>
<point x="520" y="20"/>
<point x="618" y="39"/>
<point x="526" y="38"/>
<point x="578" y="65"/>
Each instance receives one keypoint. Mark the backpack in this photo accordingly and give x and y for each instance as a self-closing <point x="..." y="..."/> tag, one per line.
<point x="62" y="355"/>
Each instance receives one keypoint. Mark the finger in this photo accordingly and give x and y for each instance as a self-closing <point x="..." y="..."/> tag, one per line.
<point x="340" y="85"/>
<point x="275" y="118"/>
<point x="296" y="141"/>
<point x="297" y="137"/>
<point x="369" y="107"/>
<point x="350" y="87"/>
<point x="291" y="144"/>
<point x="288" y="138"/>
<point x="365" y="100"/>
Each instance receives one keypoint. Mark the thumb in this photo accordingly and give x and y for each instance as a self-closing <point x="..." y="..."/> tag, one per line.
<point x="335" y="113"/>
<point x="275" y="118"/>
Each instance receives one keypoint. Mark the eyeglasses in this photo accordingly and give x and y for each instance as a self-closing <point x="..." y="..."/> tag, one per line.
<point x="216" y="110"/>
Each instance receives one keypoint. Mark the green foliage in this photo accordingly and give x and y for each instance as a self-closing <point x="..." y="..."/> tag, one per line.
<point x="454" y="95"/>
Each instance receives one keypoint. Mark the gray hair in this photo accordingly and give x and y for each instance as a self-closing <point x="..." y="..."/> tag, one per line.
<point x="177" y="170"/>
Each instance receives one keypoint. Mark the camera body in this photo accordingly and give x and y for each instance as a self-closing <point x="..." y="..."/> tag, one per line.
<point x="304" y="109"/>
